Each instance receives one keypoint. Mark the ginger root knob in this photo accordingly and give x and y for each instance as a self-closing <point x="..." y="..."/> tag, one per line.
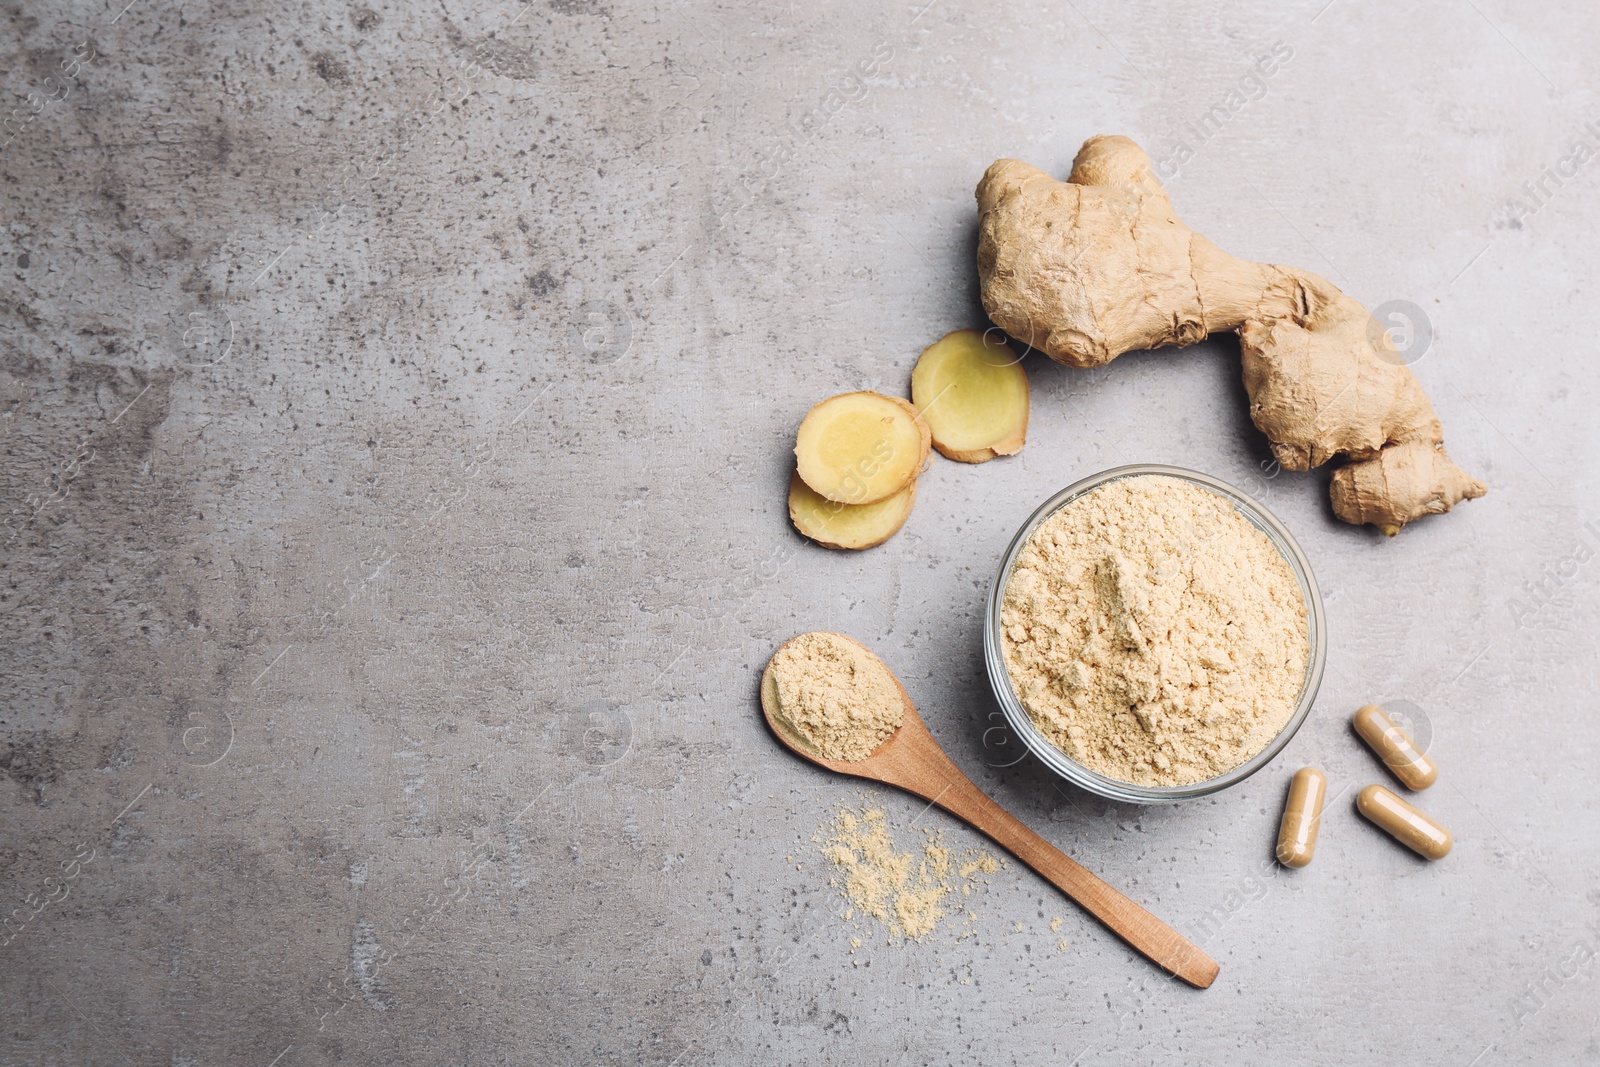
<point x="1100" y="264"/>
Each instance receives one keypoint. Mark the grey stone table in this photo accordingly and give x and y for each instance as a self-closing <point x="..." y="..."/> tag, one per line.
<point x="396" y="408"/>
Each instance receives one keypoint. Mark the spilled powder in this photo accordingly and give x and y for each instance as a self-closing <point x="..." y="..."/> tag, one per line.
<point x="836" y="695"/>
<point x="1153" y="633"/>
<point x="904" y="891"/>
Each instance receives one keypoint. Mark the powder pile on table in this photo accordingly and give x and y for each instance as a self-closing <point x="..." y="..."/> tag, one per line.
<point x="904" y="891"/>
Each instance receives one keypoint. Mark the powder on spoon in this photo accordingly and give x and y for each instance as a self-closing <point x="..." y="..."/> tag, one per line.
<point x="1153" y="633"/>
<point x="836" y="695"/>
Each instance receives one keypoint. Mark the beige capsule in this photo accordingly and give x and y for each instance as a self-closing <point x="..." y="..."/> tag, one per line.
<point x="1404" y="823"/>
<point x="1395" y="748"/>
<point x="1302" y="815"/>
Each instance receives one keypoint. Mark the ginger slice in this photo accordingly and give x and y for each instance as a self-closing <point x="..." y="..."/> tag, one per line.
<point x="859" y="448"/>
<point x="973" y="394"/>
<point x="835" y="525"/>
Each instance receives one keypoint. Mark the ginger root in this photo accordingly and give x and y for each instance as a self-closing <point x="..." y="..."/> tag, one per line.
<point x="835" y="525"/>
<point x="859" y="448"/>
<point x="973" y="394"/>
<point x="1100" y="264"/>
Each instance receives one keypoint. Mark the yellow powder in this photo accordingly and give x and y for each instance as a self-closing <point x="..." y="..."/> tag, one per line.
<point x="984" y="864"/>
<point x="1055" y="925"/>
<point x="836" y="695"/>
<point x="902" y="890"/>
<point x="1153" y="633"/>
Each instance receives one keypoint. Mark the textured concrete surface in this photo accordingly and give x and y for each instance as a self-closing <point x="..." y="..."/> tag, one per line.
<point x="396" y="402"/>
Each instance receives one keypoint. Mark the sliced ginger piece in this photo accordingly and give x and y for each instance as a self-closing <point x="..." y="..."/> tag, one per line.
<point x="835" y="525"/>
<point x="973" y="394"/>
<point x="859" y="448"/>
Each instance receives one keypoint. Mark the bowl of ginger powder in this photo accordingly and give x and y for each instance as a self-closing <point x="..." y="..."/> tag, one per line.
<point x="1154" y="634"/>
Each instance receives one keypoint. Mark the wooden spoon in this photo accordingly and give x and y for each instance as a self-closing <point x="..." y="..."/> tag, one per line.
<point x="912" y="760"/>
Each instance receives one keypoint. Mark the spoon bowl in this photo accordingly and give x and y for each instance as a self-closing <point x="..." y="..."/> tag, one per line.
<point x="910" y="759"/>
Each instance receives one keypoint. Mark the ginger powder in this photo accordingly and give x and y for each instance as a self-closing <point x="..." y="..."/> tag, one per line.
<point x="907" y="892"/>
<point x="835" y="695"/>
<point x="1153" y="633"/>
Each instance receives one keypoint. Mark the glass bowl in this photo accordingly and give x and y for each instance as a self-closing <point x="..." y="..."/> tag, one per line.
<point x="1113" y="788"/>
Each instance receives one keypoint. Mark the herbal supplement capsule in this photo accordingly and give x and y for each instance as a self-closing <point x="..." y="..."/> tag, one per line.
<point x="1395" y="748"/>
<point x="1302" y="815"/>
<point x="1404" y="823"/>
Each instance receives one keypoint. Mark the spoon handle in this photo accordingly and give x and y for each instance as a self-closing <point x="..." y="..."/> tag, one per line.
<point x="1159" y="942"/>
